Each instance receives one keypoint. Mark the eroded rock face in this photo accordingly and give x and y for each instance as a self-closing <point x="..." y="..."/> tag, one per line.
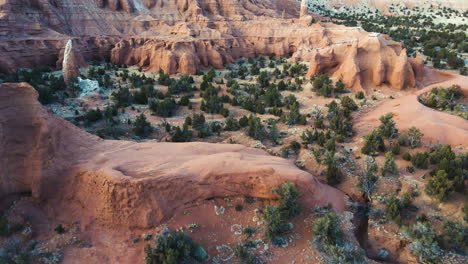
<point x="367" y="60"/>
<point x="185" y="36"/>
<point x="127" y="183"/>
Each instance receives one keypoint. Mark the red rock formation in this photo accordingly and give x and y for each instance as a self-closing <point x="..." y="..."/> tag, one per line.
<point x="127" y="183"/>
<point x="365" y="61"/>
<point x="71" y="62"/>
<point x="304" y="8"/>
<point x="185" y="36"/>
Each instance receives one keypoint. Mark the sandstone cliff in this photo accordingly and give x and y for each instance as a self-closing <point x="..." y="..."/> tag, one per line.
<point x="127" y="183"/>
<point x="185" y="36"/>
<point x="369" y="60"/>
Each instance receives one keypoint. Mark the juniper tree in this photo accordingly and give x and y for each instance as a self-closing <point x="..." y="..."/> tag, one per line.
<point x="387" y="127"/>
<point x="389" y="166"/>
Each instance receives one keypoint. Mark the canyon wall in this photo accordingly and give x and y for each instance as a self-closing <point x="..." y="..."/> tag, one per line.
<point x="186" y="36"/>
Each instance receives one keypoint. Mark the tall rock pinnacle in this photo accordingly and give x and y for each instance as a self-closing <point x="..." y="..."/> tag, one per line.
<point x="70" y="65"/>
<point x="304" y="6"/>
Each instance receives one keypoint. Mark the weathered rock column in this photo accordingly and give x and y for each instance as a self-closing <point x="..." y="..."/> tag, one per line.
<point x="304" y="8"/>
<point x="70" y="66"/>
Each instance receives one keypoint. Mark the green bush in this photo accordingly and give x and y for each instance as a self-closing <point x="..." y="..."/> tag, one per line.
<point x="424" y="245"/>
<point x="231" y="124"/>
<point x="174" y="248"/>
<point x="163" y="108"/>
<point x="59" y="229"/>
<point x="141" y="127"/>
<point x="93" y="115"/>
<point x="276" y="217"/>
<point x="360" y="95"/>
<point x="442" y="98"/>
<point x="289" y="200"/>
<point x="327" y="230"/>
<point x="419" y="160"/>
<point x="455" y="236"/>
<point x="438" y="185"/>
<point x="387" y="127"/>
<point x="389" y="166"/>
<point x="396" y="149"/>
<point x="245" y="256"/>
<point x="407" y="156"/>
<point x="373" y="143"/>
<point x="414" y="137"/>
<point x="348" y="103"/>
<point x="329" y="238"/>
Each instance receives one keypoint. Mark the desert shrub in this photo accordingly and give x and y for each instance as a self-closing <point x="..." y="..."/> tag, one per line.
<point x="6" y="228"/>
<point x="274" y="134"/>
<point x="330" y="238"/>
<point x="387" y="127"/>
<point x="181" y="85"/>
<point x="112" y="129"/>
<point x="163" y="78"/>
<point x="295" y="146"/>
<point x="465" y="212"/>
<point x="255" y="128"/>
<point x="231" y="124"/>
<point x="163" y="108"/>
<point x="414" y="137"/>
<point x="213" y="104"/>
<point x="334" y="174"/>
<point x="339" y="119"/>
<point x="373" y="143"/>
<point x="249" y="231"/>
<point x="455" y="236"/>
<point x="276" y="217"/>
<point x="141" y="127"/>
<point x="245" y="256"/>
<point x="182" y="135"/>
<point x="438" y="185"/>
<point x="294" y="117"/>
<point x="185" y="100"/>
<point x="419" y="160"/>
<point x="440" y="153"/>
<point x="443" y="98"/>
<point x="276" y="225"/>
<point x="348" y="103"/>
<point x="59" y="229"/>
<point x="407" y="156"/>
<point x="389" y="166"/>
<point x="174" y="248"/>
<point x="289" y="196"/>
<point x="327" y="230"/>
<point x="243" y="121"/>
<point x="198" y="121"/>
<point x="360" y="95"/>
<point x="121" y="97"/>
<point x="396" y="206"/>
<point x="394" y="210"/>
<point x="396" y="149"/>
<point x="323" y="85"/>
<point x="368" y="178"/>
<point x="424" y="245"/>
<point x="93" y="115"/>
<point x="330" y="145"/>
